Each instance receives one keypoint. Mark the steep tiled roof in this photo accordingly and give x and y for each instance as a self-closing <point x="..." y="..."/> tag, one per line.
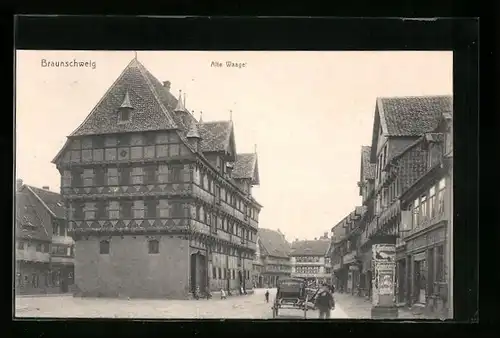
<point x="51" y="199"/>
<point x="274" y="243"/>
<point x="150" y="100"/>
<point x="29" y="224"/>
<point x="215" y="136"/>
<point x="310" y="247"/>
<point x="368" y="167"/>
<point x="412" y="116"/>
<point x="245" y="166"/>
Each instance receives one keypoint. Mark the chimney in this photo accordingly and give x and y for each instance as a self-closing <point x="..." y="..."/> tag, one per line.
<point x="45" y="187"/>
<point x="166" y="85"/>
<point x="19" y="184"/>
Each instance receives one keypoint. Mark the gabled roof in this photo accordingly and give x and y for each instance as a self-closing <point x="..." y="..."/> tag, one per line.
<point x="367" y="168"/>
<point x="52" y="201"/>
<point x="29" y="224"/>
<point x="150" y="101"/>
<point x="216" y="136"/>
<point x="310" y="247"/>
<point x="408" y="116"/>
<point x="246" y="167"/>
<point x="273" y="243"/>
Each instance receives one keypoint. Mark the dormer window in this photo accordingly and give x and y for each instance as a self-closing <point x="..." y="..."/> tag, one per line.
<point x="124" y="115"/>
<point x="125" y="109"/>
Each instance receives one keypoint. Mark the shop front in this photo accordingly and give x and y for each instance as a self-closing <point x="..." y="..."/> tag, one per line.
<point x="427" y="269"/>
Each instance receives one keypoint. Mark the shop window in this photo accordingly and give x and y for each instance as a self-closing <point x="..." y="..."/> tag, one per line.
<point x="104" y="247"/>
<point x="153" y="247"/>
<point x="440" y="267"/>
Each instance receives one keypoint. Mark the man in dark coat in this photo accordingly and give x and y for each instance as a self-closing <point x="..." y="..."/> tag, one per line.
<point x="324" y="302"/>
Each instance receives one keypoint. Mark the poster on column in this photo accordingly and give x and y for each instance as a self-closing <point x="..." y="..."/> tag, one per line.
<point x="383" y="261"/>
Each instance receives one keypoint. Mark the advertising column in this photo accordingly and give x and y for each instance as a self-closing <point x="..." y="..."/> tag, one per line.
<point x="384" y="272"/>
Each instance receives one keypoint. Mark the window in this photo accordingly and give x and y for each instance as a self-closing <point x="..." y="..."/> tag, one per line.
<point x="104" y="247"/>
<point x="138" y="209"/>
<point x="441" y="187"/>
<point x="124" y="139"/>
<point x="164" y="209"/>
<point x="234" y="274"/>
<point x="113" y="210"/>
<point x="153" y="246"/>
<point x="177" y="209"/>
<point x="220" y="273"/>
<point x="137" y="176"/>
<point x="162" y="173"/>
<point x="416" y="211"/>
<point x="125" y="175"/>
<point x="214" y="272"/>
<point x="77" y="212"/>
<point x="39" y="248"/>
<point x="101" y="210"/>
<point x="112" y="176"/>
<point x="150" y="208"/>
<point x="99" y="176"/>
<point x="175" y="173"/>
<point x="126" y="209"/>
<point x="423" y="207"/>
<point x="124" y="115"/>
<point x="76" y="177"/>
<point x="66" y="178"/>
<point x="55" y="228"/>
<point x="432" y="202"/>
<point x="88" y="177"/>
<point x="89" y="211"/>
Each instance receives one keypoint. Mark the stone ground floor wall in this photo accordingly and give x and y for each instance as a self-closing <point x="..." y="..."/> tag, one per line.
<point x="129" y="270"/>
<point x="224" y="273"/>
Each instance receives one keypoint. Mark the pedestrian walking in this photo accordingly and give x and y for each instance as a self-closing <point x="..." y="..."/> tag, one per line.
<point x="222" y="294"/>
<point x="267" y="296"/>
<point x="324" y="302"/>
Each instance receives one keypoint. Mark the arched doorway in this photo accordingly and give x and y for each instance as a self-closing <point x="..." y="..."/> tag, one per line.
<point x="198" y="271"/>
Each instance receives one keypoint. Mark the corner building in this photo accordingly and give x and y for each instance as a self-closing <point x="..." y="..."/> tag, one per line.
<point x="158" y="203"/>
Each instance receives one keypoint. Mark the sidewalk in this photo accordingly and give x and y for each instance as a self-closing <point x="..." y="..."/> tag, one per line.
<point x="360" y="308"/>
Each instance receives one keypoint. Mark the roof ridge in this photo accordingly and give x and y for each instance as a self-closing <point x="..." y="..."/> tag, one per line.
<point x="217" y="121"/>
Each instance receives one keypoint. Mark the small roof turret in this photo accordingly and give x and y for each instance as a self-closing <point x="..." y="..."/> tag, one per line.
<point x="193" y="131"/>
<point x="180" y="104"/>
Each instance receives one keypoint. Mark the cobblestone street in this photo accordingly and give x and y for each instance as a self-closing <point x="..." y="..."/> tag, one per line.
<point x="248" y="307"/>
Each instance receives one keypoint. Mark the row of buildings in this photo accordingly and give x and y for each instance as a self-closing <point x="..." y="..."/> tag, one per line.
<point x="44" y="250"/>
<point x="277" y="258"/>
<point x="406" y="187"/>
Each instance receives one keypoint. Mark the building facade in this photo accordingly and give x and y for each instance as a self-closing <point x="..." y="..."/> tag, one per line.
<point x="398" y="175"/>
<point x="158" y="202"/>
<point x="309" y="260"/>
<point x="274" y="257"/>
<point x="44" y="250"/>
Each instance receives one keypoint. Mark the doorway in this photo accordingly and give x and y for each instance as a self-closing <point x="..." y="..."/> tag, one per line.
<point x="401" y="280"/>
<point x="198" y="272"/>
<point x="420" y="282"/>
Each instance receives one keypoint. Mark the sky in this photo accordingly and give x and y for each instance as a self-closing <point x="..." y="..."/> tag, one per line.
<point x="309" y="113"/>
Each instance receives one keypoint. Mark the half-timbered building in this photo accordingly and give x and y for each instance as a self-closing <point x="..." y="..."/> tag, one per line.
<point x="158" y="202"/>
<point x="274" y="255"/>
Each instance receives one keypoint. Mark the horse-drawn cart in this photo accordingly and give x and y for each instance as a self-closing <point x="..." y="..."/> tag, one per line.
<point x="291" y="294"/>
